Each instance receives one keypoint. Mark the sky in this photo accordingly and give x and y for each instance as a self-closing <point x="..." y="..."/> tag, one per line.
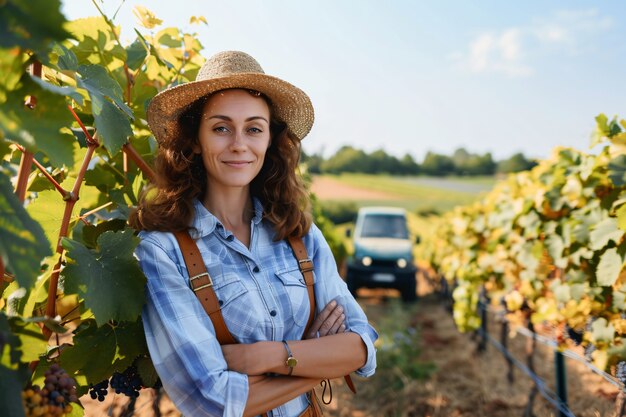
<point x="416" y="76"/>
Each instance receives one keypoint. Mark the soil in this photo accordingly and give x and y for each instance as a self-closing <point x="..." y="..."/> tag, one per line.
<point x="465" y="382"/>
<point x="328" y="189"/>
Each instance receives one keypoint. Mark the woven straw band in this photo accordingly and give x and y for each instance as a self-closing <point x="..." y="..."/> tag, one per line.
<point x="230" y="69"/>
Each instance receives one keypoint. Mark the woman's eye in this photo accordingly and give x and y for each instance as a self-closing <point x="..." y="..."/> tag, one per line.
<point x="255" y="130"/>
<point x="221" y="129"/>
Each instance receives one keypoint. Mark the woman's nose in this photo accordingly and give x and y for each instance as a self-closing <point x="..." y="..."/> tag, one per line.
<point x="237" y="143"/>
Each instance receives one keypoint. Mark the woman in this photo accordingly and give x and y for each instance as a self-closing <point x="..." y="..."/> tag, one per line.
<point x="229" y="145"/>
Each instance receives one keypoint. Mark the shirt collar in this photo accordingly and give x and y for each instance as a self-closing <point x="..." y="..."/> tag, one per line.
<point x="204" y="222"/>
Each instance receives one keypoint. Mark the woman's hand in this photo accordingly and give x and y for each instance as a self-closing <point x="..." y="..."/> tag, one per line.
<point x="330" y="320"/>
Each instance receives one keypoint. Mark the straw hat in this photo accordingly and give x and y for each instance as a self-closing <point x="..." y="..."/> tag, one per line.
<point x="230" y="69"/>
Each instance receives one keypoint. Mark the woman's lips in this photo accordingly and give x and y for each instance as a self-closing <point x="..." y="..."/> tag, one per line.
<point x="237" y="164"/>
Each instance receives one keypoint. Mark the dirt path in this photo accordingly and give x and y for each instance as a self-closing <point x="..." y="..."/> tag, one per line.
<point x="328" y="189"/>
<point x="465" y="383"/>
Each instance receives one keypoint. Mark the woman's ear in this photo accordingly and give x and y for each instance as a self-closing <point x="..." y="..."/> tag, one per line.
<point x="196" y="148"/>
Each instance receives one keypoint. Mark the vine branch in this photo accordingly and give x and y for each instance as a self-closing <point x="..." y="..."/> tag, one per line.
<point x="45" y="172"/>
<point x="26" y="162"/>
<point x="139" y="161"/>
<point x="70" y="202"/>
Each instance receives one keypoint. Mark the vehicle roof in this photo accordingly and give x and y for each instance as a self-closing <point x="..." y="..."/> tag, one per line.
<point x="382" y="210"/>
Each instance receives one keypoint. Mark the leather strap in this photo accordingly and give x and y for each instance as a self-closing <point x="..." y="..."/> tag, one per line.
<point x="202" y="284"/>
<point x="306" y="268"/>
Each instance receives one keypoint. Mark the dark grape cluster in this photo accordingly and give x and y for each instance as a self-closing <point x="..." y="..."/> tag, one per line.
<point x="620" y="372"/>
<point x="577" y="337"/>
<point x="99" y="390"/>
<point x="128" y="383"/>
<point x="53" y="400"/>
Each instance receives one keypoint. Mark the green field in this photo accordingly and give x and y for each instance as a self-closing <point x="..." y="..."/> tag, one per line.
<point x="416" y="194"/>
<point x="422" y="197"/>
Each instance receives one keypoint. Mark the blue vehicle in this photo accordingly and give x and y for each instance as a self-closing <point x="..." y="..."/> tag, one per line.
<point x="383" y="252"/>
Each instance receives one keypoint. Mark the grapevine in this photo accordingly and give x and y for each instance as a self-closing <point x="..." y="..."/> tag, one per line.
<point x="75" y="153"/>
<point x="551" y="242"/>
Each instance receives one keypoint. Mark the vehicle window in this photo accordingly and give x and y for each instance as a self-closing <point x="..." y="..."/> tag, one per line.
<point x="384" y="225"/>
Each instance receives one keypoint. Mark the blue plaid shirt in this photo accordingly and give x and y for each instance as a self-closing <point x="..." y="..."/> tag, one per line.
<point x="263" y="297"/>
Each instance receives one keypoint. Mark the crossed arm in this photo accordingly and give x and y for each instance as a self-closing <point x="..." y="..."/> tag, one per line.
<point x="334" y="354"/>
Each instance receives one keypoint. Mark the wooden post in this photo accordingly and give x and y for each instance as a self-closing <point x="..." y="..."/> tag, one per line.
<point x="531" y="345"/>
<point x="504" y="337"/>
<point x="484" y="331"/>
<point x="561" y="379"/>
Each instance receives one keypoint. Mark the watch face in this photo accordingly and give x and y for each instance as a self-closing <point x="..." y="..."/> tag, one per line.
<point x="291" y="362"/>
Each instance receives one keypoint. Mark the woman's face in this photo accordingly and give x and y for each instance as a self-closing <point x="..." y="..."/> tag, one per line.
<point x="233" y="137"/>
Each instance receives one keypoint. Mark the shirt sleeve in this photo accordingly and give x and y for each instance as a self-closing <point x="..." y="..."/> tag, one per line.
<point x="330" y="286"/>
<point x="182" y="342"/>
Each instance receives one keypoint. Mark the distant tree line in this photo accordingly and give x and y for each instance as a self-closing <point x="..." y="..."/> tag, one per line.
<point x="462" y="162"/>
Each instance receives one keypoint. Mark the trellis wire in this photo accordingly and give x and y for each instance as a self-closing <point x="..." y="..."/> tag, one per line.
<point x="540" y="383"/>
<point x="566" y="352"/>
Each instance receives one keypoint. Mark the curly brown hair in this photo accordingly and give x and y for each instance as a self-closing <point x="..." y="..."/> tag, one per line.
<point x="167" y="205"/>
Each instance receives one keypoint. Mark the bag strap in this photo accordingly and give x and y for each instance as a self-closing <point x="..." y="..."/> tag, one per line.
<point x="306" y="268"/>
<point x="202" y="286"/>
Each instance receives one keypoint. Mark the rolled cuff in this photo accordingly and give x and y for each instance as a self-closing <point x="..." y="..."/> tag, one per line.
<point x="368" y="335"/>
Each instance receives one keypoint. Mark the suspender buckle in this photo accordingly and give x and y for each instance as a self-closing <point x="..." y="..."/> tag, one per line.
<point x="306" y="265"/>
<point x="198" y="288"/>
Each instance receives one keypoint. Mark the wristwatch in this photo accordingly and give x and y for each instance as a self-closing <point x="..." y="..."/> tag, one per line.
<point x="291" y="362"/>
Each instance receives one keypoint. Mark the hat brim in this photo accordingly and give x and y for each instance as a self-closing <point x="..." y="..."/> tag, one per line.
<point x="290" y="104"/>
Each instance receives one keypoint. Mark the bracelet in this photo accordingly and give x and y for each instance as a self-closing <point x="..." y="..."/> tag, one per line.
<point x="291" y="362"/>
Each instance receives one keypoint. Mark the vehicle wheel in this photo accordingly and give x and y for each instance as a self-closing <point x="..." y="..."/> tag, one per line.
<point x="352" y="284"/>
<point x="409" y="291"/>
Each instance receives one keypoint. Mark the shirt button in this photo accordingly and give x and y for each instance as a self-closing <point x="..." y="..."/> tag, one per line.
<point x="273" y="313"/>
<point x="230" y="238"/>
<point x="220" y="302"/>
<point x="256" y="269"/>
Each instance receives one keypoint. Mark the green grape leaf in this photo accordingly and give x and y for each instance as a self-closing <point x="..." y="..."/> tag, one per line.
<point x="31" y="24"/>
<point x="92" y="233"/>
<point x="617" y="170"/>
<point x="609" y="267"/>
<point x="562" y="292"/>
<point x="110" y="112"/>
<point x="65" y="59"/>
<point x="604" y="232"/>
<point x="555" y="246"/>
<point x="62" y="91"/>
<point x="10" y="354"/>
<point x="11" y="383"/>
<point x="11" y="67"/>
<point x="621" y="217"/>
<point x="116" y="346"/>
<point x="32" y="342"/>
<point x="619" y="300"/>
<point x="40" y="128"/>
<point x="47" y="210"/>
<point x="108" y="277"/>
<point x="578" y="291"/>
<point x="23" y="243"/>
<point x="602" y="330"/>
<point x="96" y="80"/>
<point x="136" y="53"/>
<point x="146" y="371"/>
<point x="80" y="357"/>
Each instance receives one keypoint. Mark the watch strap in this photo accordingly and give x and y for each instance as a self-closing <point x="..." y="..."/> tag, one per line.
<point x="291" y="362"/>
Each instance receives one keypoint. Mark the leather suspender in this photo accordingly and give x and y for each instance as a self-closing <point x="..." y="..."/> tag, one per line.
<point x="306" y="268"/>
<point x="202" y="285"/>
